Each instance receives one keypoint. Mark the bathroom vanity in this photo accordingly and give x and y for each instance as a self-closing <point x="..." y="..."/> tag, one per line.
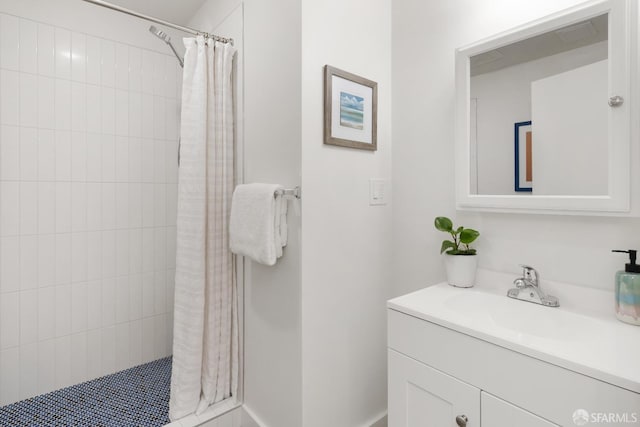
<point x="474" y="357"/>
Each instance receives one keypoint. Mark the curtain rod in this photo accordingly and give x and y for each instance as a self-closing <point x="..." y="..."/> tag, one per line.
<point x="159" y="21"/>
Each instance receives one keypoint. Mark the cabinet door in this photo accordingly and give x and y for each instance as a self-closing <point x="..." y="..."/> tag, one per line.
<point x="420" y="396"/>
<point x="498" y="413"/>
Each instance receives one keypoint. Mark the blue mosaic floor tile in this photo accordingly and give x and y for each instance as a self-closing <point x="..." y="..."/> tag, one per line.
<point x="136" y="397"/>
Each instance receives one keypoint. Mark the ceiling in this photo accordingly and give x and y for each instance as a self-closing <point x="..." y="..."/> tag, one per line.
<point x="176" y="11"/>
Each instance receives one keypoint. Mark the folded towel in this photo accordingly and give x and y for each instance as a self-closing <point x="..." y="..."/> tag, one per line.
<point x="256" y="224"/>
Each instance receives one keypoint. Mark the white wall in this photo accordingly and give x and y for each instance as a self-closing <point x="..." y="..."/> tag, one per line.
<point x="271" y="53"/>
<point x="87" y="196"/>
<point x="346" y="244"/>
<point x="504" y="98"/>
<point x="572" y="249"/>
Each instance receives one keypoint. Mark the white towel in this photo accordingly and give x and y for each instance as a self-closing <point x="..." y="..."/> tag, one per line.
<point x="256" y="224"/>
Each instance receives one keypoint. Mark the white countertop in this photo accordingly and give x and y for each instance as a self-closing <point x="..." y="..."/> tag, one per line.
<point x="582" y="335"/>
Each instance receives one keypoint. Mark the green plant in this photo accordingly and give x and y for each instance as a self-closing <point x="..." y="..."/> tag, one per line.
<point x="461" y="236"/>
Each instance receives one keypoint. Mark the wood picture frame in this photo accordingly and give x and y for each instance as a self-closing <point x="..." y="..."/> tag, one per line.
<point x="523" y="147"/>
<point x="350" y="110"/>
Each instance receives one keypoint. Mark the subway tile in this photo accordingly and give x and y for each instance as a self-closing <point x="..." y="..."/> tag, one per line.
<point x="28" y="370"/>
<point x="108" y="68"/>
<point x="122" y="252"/>
<point x="93" y="50"/>
<point x="160" y="202"/>
<point x="94" y="206"/>
<point x="109" y="350"/>
<point x="94" y="354"/>
<point x="46" y="260"/>
<point x="46" y="313"/>
<point x="135" y="250"/>
<point x="122" y="206"/>
<point x="79" y="359"/>
<point x="172" y="204"/>
<point x="94" y="305"/>
<point x="159" y="87"/>
<point x="135" y="343"/>
<point x="28" y="154"/>
<point x="160" y="292"/>
<point x="79" y="257"/>
<point x="63" y="309"/>
<point x="147" y="169"/>
<point x="147" y="116"/>
<point x="63" y="155"/>
<point x="9" y="320"/>
<point x="160" y="248"/>
<point x="78" y="156"/>
<point x="170" y="76"/>
<point x="160" y="336"/>
<point x="9" y="84"/>
<point x="122" y="113"/>
<point x="171" y="247"/>
<point x="78" y="206"/>
<point x="159" y="162"/>
<point x="9" y="153"/>
<point x="94" y="157"/>
<point x="108" y="158"/>
<point x="171" y="289"/>
<point x="135" y="160"/>
<point x="9" y="264"/>
<point x="172" y="112"/>
<point x="63" y="207"/>
<point x="78" y="107"/>
<point x="28" y="50"/>
<point x="147" y="249"/>
<point x="135" y="297"/>
<point x="28" y="102"/>
<point x="28" y="208"/>
<point x="46" y="50"/>
<point x="122" y="347"/>
<point x="122" y="66"/>
<point x="94" y="255"/>
<point x="79" y="307"/>
<point x="148" y="339"/>
<point x="148" y="205"/>
<point x="63" y="258"/>
<point x="108" y="101"/>
<point x="46" y="155"/>
<point x="135" y="69"/>
<point x="62" y="362"/>
<point x="148" y="69"/>
<point x="135" y="114"/>
<point x="63" y="53"/>
<point x="9" y="208"/>
<point x="108" y="254"/>
<point x="63" y="104"/>
<point x="28" y="316"/>
<point x="94" y="109"/>
<point x="159" y="117"/>
<point x="108" y="206"/>
<point x="148" y="295"/>
<point x="9" y="42"/>
<point x="10" y="374"/>
<point x="78" y="57"/>
<point x="135" y="205"/>
<point x="122" y="299"/>
<point x="28" y="262"/>
<point x="122" y="159"/>
<point x="46" y="366"/>
<point x="46" y="207"/>
<point x="46" y="102"/>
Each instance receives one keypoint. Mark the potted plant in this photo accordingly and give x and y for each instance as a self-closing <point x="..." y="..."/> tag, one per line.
<point x="460" y="259"/>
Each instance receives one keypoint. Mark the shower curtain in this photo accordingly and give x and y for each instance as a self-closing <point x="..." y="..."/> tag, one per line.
<point x="205" y="343"/>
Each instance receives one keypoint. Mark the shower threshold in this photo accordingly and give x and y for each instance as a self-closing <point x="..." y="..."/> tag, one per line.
<point x="136" y="397"/>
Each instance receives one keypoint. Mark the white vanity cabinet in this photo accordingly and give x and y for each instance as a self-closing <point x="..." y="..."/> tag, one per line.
<point x="452" y="364"/>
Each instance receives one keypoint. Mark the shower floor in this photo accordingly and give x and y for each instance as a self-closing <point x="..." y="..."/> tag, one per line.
<point x="136" y="397"/>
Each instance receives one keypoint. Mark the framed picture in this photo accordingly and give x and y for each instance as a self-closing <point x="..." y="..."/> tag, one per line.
<point x="350" y="110"/>
<point x="524" y="157"/>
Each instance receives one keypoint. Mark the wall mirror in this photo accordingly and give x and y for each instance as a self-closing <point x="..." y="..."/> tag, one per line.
<point x="543" y="114"/>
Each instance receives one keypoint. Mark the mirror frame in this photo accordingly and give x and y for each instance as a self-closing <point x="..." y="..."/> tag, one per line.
<point x="622" y="29"/>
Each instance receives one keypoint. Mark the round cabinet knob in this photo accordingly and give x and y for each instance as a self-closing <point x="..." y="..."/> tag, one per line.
<point x="616" y="101"/>
<point x="462" y="420"/>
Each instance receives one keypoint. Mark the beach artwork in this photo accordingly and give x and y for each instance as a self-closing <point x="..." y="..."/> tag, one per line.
<point x="351" y="111"/>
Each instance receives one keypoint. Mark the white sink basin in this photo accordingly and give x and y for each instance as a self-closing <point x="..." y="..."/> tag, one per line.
<point x="589" y="341"/>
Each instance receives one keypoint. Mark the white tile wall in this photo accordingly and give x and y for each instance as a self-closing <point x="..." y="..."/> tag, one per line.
<point x="88" y="185"/>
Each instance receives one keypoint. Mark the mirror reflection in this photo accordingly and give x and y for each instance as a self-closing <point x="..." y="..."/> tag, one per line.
<point x="539" y="115"/>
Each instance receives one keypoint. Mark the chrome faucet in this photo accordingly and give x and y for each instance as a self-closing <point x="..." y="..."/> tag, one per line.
<point x="528" y="289"/>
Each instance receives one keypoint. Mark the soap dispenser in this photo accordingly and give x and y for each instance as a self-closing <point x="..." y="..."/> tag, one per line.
<point x="628" y="290"/>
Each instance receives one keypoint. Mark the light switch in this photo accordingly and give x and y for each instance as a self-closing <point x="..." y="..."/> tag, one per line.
<point x="377" y="192"/>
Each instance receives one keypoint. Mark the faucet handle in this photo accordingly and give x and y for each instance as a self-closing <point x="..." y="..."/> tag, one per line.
<point x="530" y="273"/>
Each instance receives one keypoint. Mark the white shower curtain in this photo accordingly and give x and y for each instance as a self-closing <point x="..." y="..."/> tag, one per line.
<point x="205" y="343"/>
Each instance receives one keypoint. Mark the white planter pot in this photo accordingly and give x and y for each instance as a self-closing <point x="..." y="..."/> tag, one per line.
<point x="461" y="270"/>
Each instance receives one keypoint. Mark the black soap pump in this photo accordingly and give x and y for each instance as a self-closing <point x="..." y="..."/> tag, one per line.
<point x="628" y="290"/>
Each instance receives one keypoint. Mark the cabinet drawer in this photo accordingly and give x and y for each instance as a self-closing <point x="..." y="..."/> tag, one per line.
<point x="498" y="413"/>
<point x="552" y="392"/>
